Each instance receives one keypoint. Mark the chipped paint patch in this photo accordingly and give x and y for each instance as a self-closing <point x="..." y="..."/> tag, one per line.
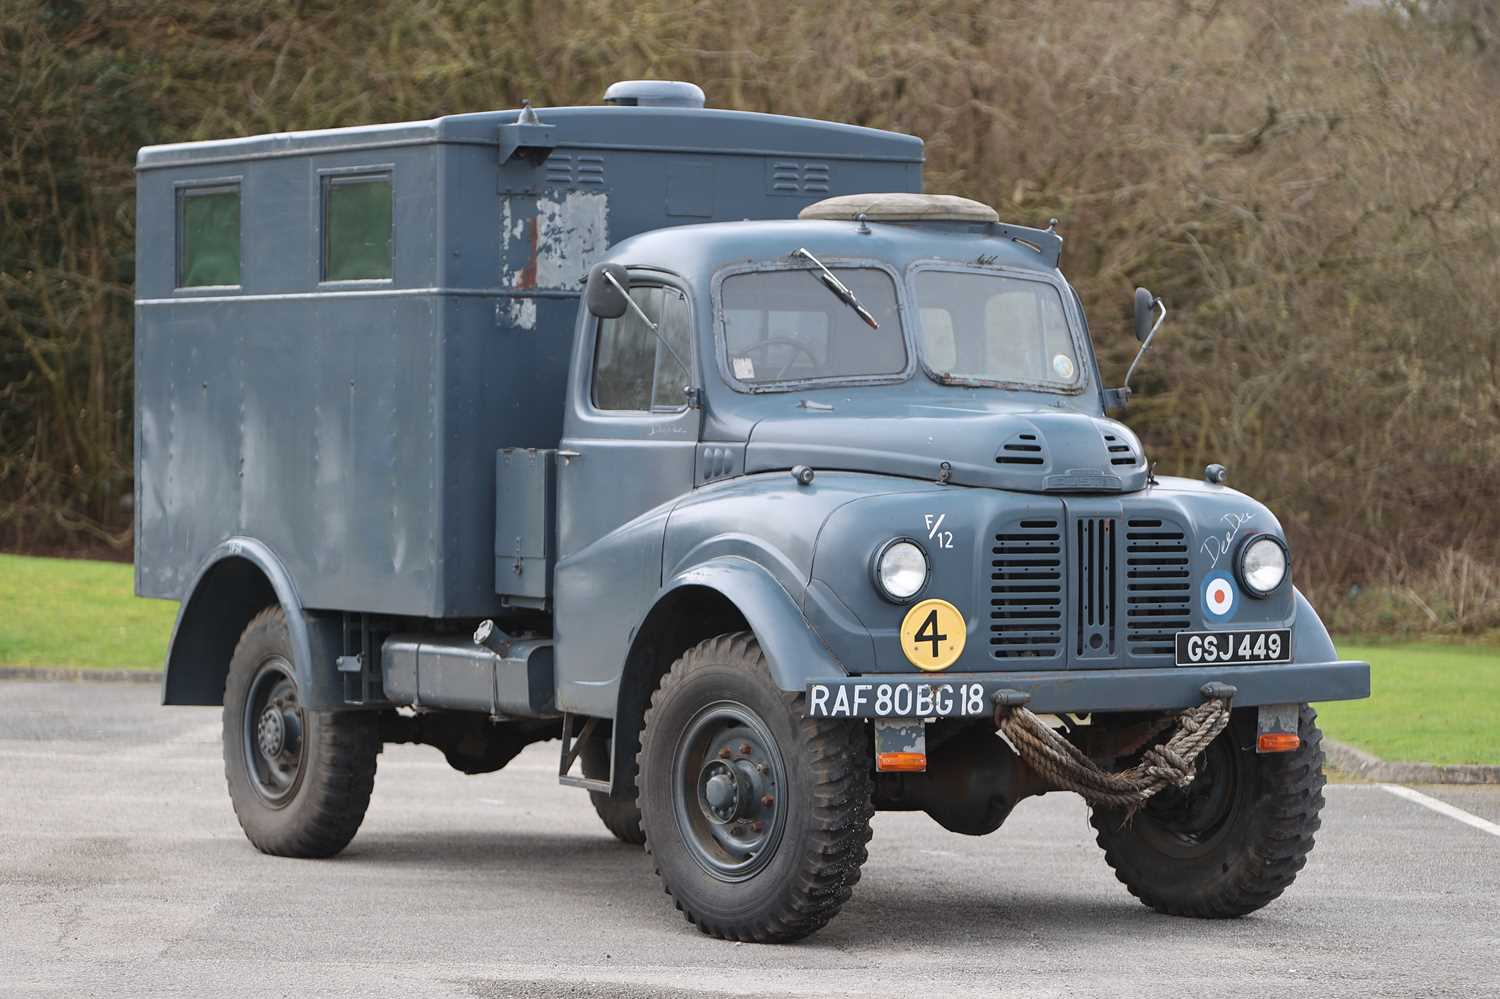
<point x="551" y="242"/>
<point x="523" y="313"/>
<point x="572" y="236"/>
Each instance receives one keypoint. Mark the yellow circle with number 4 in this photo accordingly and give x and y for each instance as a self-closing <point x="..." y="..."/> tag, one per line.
<point x="933" y="634"/>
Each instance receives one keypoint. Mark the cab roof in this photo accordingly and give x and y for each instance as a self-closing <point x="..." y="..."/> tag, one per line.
<point x="698" y="251"/>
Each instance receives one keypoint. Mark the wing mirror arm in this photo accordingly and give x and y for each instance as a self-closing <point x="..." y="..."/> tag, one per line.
<point x="1145" y="304"/>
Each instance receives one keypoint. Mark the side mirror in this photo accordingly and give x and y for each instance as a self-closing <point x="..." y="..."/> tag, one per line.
<point x="605" y="298"/>
<point x="1145" y="307"/>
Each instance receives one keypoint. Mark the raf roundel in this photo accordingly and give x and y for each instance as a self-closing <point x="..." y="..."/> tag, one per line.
<point x="1218" y="596"/>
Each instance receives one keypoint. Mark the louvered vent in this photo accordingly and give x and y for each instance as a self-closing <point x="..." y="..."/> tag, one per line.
<point x="1158" y="586"/>
<point x="1026" y="594"/>
<point x="1120" y="453"/>
<point x="1022" y="449"/>
<point x="582" y="170"/>
<point x="1094" y="578"/>
<point x="793" y="177"/>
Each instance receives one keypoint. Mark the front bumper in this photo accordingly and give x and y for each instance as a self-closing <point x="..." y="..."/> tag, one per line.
<point x="1172" y="688"/>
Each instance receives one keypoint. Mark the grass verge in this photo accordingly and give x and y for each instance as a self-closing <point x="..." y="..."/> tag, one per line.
<point x="74" y="612"/>
<point x="1429" y="703"/>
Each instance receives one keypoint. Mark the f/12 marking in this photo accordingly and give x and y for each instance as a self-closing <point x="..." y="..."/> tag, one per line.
<point x="935" y="533"/>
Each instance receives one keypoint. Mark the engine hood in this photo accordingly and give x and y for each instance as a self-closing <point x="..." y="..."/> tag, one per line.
<point x="1034" y="450"/>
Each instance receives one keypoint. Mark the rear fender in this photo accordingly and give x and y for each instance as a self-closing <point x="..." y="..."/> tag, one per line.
<point x="239" y="579"/>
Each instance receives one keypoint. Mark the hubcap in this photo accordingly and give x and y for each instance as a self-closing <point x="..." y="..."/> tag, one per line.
<point x="274" y="723"/>
<point x="270" y="734"/>
<point x="728" y="782"/>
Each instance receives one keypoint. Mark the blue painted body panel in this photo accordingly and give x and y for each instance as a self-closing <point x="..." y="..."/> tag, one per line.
<point x="352" y="426"/>
<point x="349" y="431"/>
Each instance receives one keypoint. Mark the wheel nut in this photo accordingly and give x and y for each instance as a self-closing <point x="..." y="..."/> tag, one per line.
<point x="744" y="749"/>
<point x="767" y="801"/>
<point x="724" y="753"/>
<point x="758" y="826"/>
<point x="763" y="768"/>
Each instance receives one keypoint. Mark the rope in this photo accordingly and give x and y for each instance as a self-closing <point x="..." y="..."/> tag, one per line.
<point x="1066" y="766"/>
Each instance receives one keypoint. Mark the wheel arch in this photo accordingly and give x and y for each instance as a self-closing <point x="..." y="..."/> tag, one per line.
<point x="239" y="579"/>
<point x="721" y="595"/>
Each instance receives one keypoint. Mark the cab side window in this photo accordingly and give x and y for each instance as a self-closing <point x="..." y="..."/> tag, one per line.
<point x="634" y="370"/>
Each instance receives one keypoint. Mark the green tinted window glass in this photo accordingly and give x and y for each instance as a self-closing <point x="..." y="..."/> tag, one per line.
<point x="356" y="228"/>
<point x="208" y="237"/>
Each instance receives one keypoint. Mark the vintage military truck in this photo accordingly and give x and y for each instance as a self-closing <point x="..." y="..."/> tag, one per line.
<point x="703" y="441"/>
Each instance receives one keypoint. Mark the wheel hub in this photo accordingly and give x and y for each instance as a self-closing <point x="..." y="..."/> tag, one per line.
<point x="270" y="733"/>
<point x="273" y="729"/>
<point x="729" y="783"/>
<point x="726" y="790"/>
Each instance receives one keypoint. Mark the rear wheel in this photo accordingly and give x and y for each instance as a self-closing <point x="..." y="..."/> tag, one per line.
<point x="756" y="816"/>
<point x="299" y="780"/>
<point x="1233" y="839"/>
<point x="621" y="816"/>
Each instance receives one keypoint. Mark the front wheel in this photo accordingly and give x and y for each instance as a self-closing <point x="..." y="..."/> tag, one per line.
<point x="1233" y="839"/>
<point x="299" y="780"/>
<point x="756" y="815"/>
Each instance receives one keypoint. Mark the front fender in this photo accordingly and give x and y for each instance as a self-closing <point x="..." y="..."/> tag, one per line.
<point x="792" y="650"/>
<point x="1310" y="640"/>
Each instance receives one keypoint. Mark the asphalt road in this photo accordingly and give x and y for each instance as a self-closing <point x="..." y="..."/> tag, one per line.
<point x="123" y="872"/>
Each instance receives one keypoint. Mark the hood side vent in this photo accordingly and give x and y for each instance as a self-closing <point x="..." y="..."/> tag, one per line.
<point x="1026" y="591"/>
<point x="1022" y="449"/>
<point x="1158" y="587"/>
<point x="1120" y="453"/>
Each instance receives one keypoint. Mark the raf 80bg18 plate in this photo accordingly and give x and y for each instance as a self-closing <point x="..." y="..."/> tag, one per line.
<point x="896" y="699"/>
<point x="1231" y="648"/>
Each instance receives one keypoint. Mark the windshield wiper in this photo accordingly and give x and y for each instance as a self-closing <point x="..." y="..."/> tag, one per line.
<point x="838" y="288"/>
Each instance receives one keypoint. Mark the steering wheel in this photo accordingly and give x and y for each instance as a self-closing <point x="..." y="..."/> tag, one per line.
<point x="784" y="341"/>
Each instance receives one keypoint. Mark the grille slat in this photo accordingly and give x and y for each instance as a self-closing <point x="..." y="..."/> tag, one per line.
<point x="1159" y="593"/>
<point x="1026" y="591"/>
<point x="1094" y="558"/>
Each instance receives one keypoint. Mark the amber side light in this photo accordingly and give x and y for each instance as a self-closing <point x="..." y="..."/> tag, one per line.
<point x="907" y="763"/>
<point x="1278" y="742"/>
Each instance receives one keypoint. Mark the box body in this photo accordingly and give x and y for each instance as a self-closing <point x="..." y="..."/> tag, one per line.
<point x="352" y="425"/>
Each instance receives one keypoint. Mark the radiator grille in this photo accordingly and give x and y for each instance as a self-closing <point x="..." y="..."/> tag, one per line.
<point x="1094" y="581"/>
<point x="1158" y="587"/>
<point x="1026" y="591"/>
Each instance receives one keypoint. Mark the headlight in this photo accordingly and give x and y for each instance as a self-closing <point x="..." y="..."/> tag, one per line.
<point x="900" y="569"/>
<point x="1262" y="565"/>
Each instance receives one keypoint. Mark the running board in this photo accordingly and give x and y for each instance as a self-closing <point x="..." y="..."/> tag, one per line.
<point x="572" y="748"/>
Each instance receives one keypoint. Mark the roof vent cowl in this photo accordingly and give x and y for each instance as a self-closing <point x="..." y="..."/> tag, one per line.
<point x="655" y="94"/>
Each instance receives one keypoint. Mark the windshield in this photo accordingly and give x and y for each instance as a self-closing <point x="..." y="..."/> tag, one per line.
<point x="990" y="328"/>
<point x="787" y="325"/>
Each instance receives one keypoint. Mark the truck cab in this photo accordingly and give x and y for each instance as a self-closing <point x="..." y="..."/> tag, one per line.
<point x="805" y="494"/>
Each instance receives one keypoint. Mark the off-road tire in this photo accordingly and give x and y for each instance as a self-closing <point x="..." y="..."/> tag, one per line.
<point x="1278" y="797"/>
<point x="622" y="817"/>
<point x="812" y="871"/>
<point x="336" y="774"/>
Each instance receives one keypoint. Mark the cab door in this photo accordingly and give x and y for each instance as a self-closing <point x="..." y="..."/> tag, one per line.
<point x="629" y="442"/>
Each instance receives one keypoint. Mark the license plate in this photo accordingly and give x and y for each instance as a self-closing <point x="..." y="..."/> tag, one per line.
<point x="896" y="699"/>
<point x="1233" y="648"/>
